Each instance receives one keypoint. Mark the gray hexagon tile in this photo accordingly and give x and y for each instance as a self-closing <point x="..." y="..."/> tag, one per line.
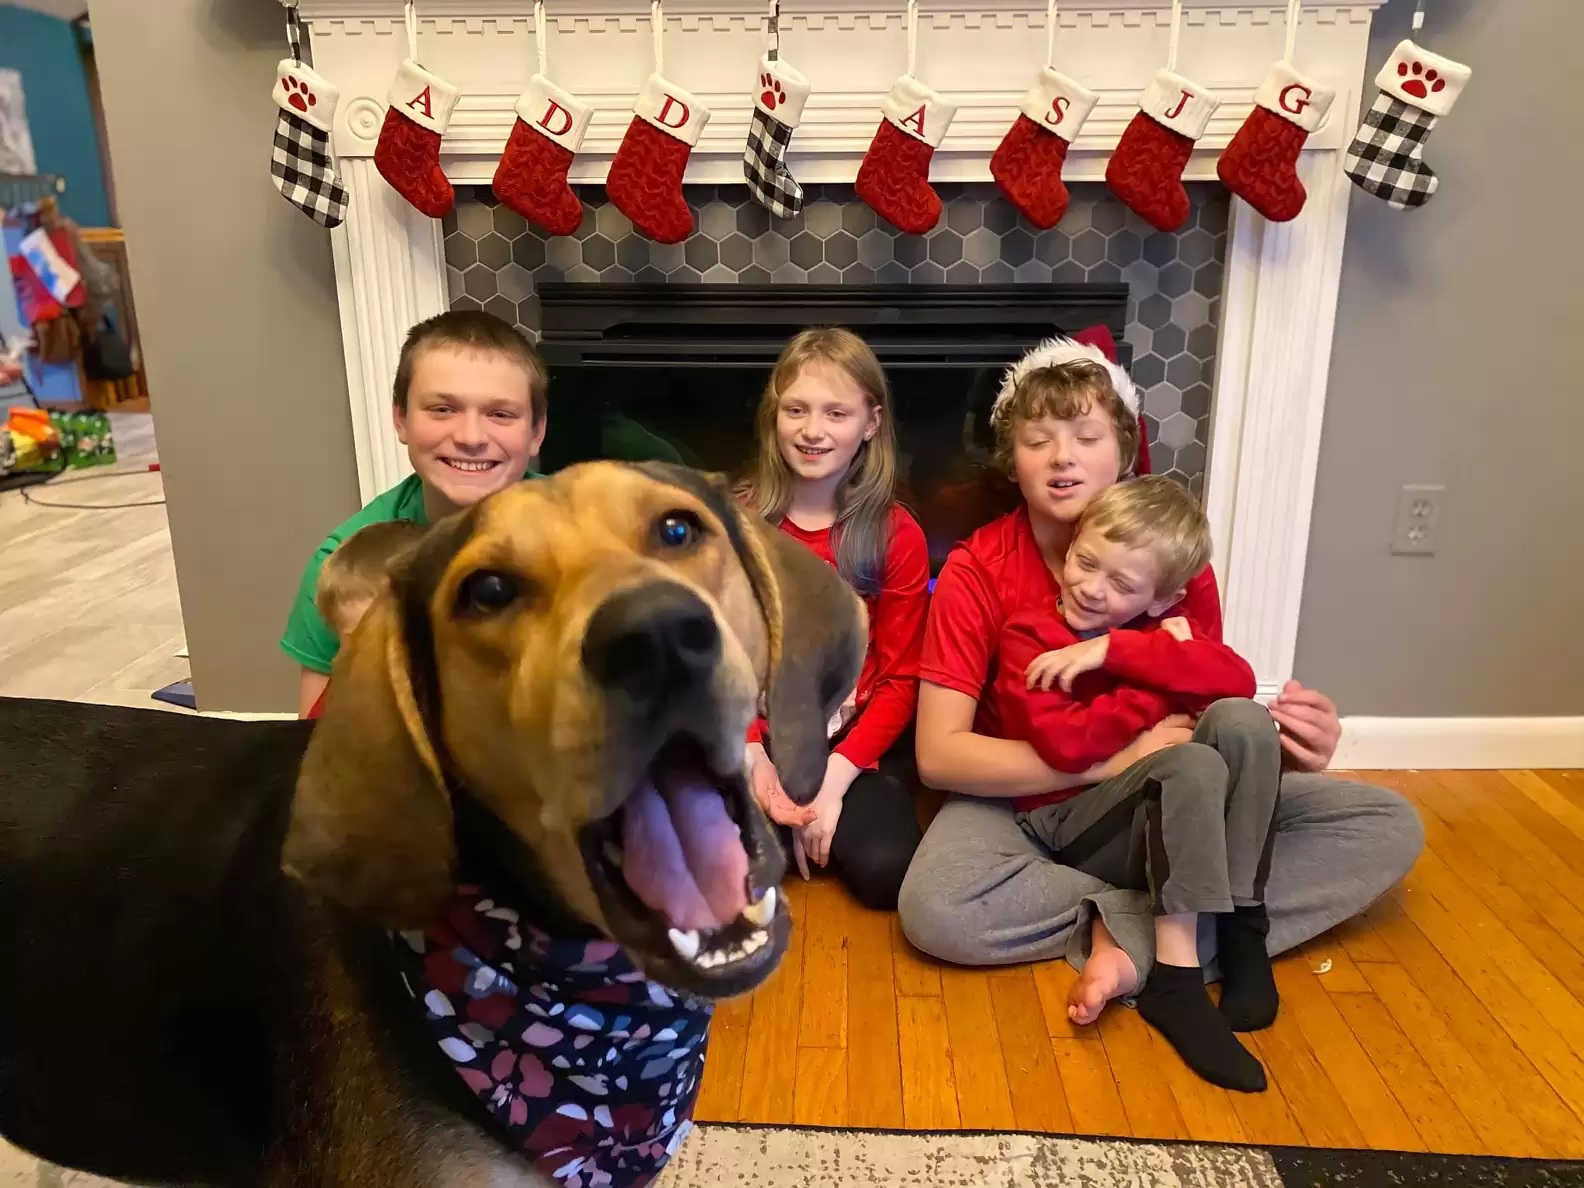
<point x="494" y="259"/>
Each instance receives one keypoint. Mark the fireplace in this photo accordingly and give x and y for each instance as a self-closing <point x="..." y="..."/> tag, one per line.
<point x="1000" y="284"/>
<point x="1236" y="312"/>
<point x="658" y="372"/>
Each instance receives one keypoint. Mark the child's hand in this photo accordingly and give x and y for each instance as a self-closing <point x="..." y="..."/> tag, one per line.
<point x="1067" y="664"/>
<point x="1177" y="627"/>
<point x="1168" y="732"/>
<point x="765" y="782"/>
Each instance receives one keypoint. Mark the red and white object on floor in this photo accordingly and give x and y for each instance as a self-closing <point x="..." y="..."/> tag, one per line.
<point x="1260" y="166"/>
<point x="1146" y="169"/>
<point x="1027" y="165"/>
<point x="551" y="123"/>
<point x="645" y="179"/>
<point x="408" y="152"/>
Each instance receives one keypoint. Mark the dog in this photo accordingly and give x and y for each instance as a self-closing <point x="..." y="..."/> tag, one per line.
<point x="215" y="931"/>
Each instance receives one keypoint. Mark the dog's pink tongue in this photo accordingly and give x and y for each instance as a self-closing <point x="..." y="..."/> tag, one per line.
<point x="682" y="855"/>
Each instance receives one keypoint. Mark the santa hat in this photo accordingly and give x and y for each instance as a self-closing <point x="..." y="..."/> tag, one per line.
<point x="1092" y="345"/>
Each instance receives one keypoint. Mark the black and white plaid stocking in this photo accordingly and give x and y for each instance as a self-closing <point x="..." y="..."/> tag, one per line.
<point x="1386" y="158"/>
<point x="301" y="164"/>
<point x="779" y="95"/>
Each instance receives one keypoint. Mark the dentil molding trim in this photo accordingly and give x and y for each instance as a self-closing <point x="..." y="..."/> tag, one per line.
<point x="980" y="55"/>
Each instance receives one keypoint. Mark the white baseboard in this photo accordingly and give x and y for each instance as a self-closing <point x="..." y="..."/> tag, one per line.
<point x="1460" y="743"/>
<point x="1386" y="744"/>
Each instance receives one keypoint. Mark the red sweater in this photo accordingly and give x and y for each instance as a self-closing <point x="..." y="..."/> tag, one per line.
<point x="994" y="574"/>
<point x="887" y="693"/>
<point x="1148" y="675"/>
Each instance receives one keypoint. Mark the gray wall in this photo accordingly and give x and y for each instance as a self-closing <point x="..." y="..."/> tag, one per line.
<point x="236" y="302"/>
<point x="1457" y="362"/>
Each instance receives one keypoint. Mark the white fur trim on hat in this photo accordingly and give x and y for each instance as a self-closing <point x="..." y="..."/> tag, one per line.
<point x="1053" y="352"/>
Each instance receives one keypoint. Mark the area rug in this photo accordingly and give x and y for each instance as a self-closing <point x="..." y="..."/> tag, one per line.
<point x="804" y="1157"/>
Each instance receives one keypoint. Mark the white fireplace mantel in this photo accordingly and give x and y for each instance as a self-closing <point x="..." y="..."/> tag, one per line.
<point x="1278" y="307"/>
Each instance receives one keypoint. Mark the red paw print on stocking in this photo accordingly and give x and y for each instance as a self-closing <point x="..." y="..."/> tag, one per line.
<point x="299" y="94"/>
<point x="1423" y="83"/>
<point x="773" y="96"/>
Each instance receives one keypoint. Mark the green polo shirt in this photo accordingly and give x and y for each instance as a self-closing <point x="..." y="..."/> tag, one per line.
<point x="308" y="639"/>
<point x="311" y="642"/>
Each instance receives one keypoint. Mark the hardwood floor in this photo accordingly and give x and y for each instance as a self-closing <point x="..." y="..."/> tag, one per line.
<point x="1449" y="1018"/>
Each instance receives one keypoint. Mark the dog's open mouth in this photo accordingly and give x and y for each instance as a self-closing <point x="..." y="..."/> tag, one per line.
<point x="687" y="874"/>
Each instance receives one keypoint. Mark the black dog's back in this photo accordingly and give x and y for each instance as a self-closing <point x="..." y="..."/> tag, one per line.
<point x="144" y="1048"/>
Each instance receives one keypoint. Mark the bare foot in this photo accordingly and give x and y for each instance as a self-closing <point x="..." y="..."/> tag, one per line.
<point x="1108" y="974"/>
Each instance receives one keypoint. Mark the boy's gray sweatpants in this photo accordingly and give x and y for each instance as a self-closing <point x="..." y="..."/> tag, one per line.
<point x="982" y="892"/>
<point x="1191" y="825"/>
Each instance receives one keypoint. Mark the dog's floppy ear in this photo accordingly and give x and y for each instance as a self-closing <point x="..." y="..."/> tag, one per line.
<point x="816" y="628"/>
<point x="815" y="656"/>
<point x="371" y="825"/>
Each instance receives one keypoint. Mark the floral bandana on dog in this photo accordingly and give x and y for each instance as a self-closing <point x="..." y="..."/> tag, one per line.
<point x="592" y="1068"/>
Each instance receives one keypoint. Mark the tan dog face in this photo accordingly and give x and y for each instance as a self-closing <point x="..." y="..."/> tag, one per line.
<point x="562" y="679"/>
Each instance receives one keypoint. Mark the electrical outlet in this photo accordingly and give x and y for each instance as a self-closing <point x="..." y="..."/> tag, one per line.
<point x="1417" y="524"/>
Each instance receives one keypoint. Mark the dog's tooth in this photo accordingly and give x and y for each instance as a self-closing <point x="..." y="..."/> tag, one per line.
<point x="756" y="941"/>
<point x="711" y="959"/>
<point x="762" y="911"/>
<point x="685" y="943"/>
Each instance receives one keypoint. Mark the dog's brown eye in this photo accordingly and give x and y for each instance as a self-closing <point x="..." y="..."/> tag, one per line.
<point x="486" y="591"/>
<point x="678" y="529"/>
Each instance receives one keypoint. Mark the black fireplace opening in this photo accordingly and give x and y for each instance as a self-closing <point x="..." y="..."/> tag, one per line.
<point x="676" y="373"/>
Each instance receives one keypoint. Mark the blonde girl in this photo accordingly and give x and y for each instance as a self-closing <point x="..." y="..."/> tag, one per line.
<point x="825" y="474"/>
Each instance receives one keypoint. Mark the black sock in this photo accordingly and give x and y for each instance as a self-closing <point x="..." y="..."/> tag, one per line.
<point x="1248" y="988"/>
<point x="1175" y="1003"/>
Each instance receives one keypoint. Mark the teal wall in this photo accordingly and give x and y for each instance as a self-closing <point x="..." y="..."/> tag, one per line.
<point x="44" y="49"/>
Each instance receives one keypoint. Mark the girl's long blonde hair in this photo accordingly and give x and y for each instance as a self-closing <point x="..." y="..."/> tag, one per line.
<point x="861" y="533"/>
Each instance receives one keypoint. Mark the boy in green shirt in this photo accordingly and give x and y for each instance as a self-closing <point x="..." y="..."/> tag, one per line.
<point x="469" y="404"/>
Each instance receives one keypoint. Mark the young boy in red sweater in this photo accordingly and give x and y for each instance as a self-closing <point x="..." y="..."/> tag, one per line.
<point x="1191" y="824"/>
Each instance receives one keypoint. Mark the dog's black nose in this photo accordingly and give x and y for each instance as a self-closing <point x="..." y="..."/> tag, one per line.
<point x="651" y="642"/>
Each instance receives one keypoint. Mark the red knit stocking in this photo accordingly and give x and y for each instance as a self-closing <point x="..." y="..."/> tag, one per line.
<point x="408" y="152"/>
<point x="1146" y="170"/>
<point x="645" y="179"/>
<point x="894" y="176"/>
<point x="1260" y="166"/>
<point x="532" y="175"/>
<point x="1028" y="163"/>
